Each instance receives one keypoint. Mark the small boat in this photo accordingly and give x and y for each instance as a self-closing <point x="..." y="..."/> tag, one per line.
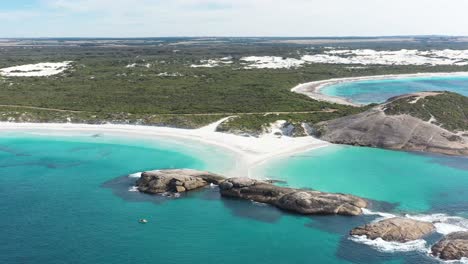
<point x="142" y="221"/>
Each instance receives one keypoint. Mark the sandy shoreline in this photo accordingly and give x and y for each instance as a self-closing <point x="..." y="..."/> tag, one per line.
<point x="313" y="89"/>
<point x="249" y="151"/>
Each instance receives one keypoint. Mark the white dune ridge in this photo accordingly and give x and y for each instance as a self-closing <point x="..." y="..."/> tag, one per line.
<point x="350" y="57"/>
<point x="210" y="63"/>
<point x="271" y="62"/>
<point x="388" y="57"/>
<point x="36" y="70"/>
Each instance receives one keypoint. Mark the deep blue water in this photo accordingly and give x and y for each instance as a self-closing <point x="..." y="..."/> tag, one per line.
<point x="378" y="91"/>
<point x="67" y="200"/>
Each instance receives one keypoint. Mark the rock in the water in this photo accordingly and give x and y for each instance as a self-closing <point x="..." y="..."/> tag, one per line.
<point x="314" y="202"/>
<point x="453" y="247"/>
<point x="182" y="180"/>
<point x="295" y="200"/>
<point x="395" y="229"/>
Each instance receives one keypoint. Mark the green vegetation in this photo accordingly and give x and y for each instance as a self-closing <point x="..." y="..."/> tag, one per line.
<point x="255" y="124"/>
<point x="21" y="114"/>
<point x="449" y="110"/>
<point x="101" y="88"/>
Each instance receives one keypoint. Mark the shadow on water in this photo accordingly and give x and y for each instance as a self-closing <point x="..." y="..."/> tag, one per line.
<point x="13" y="151"/>
<point x="99" y="150"/>
<point x="120" y="187"/>
<point x="252" y="210"/>
<point x="338" y="224"/>
<point x="439" y="204"/>
<point x="381" y="206"/>
<point x="43" y="163"/>
<point x="456" y="162"/>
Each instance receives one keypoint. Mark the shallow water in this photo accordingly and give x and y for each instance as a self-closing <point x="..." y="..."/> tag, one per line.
<point x="378" y="91"/>
<point x="67" y="200"/>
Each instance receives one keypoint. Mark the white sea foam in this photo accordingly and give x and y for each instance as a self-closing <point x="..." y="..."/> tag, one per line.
<point x="259" y="203"/>
<point x="390" y="247"/>
<point x="170" y="194"/>
<point x="135" y="175"/>
<point x="133" y="189"/>
<point x="444" y="224"/>
<point x="382" y="215"/>
<point x="461" y="261"/>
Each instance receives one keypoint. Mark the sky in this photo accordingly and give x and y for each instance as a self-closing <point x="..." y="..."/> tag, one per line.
<point x="168" y="18"/>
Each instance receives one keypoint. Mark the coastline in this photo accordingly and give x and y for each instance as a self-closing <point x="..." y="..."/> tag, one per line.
<point x="313" y="89"/>
<point x="249" y="151"/>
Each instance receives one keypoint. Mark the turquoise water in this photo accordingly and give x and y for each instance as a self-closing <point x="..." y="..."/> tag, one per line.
<point x="378" y="91"/>
<point x="410" y="182"/>
<point x="67" y="200"/>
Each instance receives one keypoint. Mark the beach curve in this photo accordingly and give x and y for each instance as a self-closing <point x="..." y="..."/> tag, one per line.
<point x="248" y="151"/>
<point x="313" y="89"/>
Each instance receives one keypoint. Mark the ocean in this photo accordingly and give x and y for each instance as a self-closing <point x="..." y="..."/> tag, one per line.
<point x="69" y="199"/>
<point x="378" y="91"/>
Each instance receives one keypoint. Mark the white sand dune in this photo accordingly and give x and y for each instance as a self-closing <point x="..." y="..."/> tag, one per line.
<point x="362" y="57"/>
<point x="249" y="151"/>
<point x="210" y="63"/>
<point x="271" y="62"/>
<point x="389" y="57"/>
<point x="36" y="70"/>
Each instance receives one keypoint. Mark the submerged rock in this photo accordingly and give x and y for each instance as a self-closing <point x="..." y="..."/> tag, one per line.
<point x="176" y="181"/>
<point x="453" y="247"/>
<point x="295" y="200"/>
<point x="395" y="229"/>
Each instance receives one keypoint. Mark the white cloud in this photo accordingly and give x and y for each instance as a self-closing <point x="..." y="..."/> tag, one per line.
<point x="247" y="17"/>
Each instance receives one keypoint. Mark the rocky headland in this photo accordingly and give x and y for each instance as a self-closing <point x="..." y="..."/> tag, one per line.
<point x="430" y="122"/>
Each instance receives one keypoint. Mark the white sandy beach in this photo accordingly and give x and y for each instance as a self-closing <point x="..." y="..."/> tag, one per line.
<point x="249" y="151"/>
<point x="313" y="89"/>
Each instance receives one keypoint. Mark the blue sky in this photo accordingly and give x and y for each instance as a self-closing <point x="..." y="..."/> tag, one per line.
<point x="155" y="18"/>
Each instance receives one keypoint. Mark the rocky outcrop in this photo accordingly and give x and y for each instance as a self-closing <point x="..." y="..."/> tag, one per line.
<point x="176" y="181"/>
<point x="395" y="229"/>
<point x="453" y="247"/>
<point x="294" y="200"/>
<point x="375" y="128"/>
